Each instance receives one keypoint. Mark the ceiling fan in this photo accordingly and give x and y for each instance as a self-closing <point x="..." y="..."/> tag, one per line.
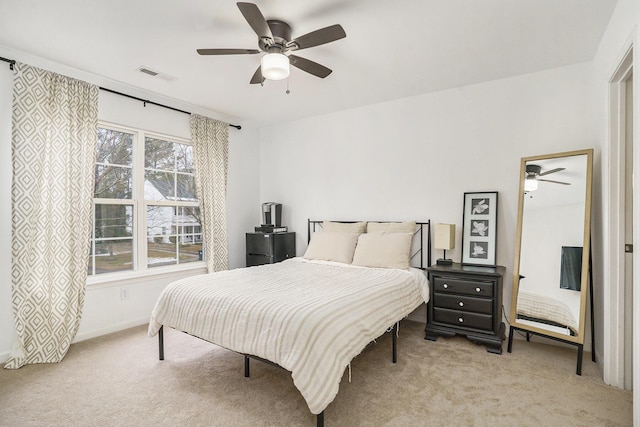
<point x="533" y="174"/>
<point x="274" y="38"/>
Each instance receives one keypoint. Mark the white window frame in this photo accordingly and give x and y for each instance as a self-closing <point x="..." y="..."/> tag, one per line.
<point x="139" y="204"/>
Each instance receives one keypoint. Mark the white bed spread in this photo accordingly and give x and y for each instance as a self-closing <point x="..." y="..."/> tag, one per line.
<point x="547" y="308"/>
<point x="312" y="318"/>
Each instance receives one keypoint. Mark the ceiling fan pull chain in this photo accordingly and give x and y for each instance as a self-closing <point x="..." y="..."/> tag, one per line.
<point x="288" y="91"/>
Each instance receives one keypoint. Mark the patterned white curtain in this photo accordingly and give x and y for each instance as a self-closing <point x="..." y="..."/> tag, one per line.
<point x="210" y="139"/>
<point x="54" y="137"/>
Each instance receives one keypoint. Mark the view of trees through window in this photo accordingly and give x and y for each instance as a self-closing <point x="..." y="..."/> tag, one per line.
<point x="146" y="210"/>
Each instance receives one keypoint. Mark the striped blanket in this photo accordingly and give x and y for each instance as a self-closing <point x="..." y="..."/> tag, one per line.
<point x="543" y="307"/>
<point x="310" y="317"/>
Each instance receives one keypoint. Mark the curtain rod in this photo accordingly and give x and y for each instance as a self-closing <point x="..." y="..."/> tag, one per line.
<point x="145" y="101"/>
<point x="10" y="61"/>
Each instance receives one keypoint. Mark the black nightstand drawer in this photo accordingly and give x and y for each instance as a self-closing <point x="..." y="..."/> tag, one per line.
<point x="463" y="319"/>
<point x="269" y="248"/>
<point x="253" y="259"/>
<point x="459" y="302"/>
<point x="259" y="244"/>
<point x="457" y="286"/>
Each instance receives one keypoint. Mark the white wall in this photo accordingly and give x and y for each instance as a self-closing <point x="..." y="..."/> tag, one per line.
<point x="413" y="158"/>
<point x="104" y="310"/>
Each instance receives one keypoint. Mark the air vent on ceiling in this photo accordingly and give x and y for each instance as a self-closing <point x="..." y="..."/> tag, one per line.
<point x="153" y="73"/>
<point x="148" y="71"/>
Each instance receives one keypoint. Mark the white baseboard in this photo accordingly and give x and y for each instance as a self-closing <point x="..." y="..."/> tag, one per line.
<point x="93" y="334"/>
<point x="110" y="329"/>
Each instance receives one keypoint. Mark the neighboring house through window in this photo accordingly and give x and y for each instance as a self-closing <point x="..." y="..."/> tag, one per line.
<point x="146" y="210"/>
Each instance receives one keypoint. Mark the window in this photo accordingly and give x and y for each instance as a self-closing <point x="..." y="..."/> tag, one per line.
<point x="146" y="211"/>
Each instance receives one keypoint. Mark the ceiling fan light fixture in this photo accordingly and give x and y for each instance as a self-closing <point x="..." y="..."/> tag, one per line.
<point x="530" y="184"/>
<point x="275" y="66"/>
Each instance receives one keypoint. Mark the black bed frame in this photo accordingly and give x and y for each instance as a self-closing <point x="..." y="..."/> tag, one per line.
<point x="313" y="226"/>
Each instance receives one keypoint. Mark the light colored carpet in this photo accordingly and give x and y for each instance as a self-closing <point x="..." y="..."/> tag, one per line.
<point x="117" y="380"/>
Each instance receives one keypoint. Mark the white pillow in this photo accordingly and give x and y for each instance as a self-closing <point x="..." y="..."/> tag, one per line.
<point x="344" y="227"/>
<point x="332" y="246"/>
<point x="391" y="227"/>
<point x="384" y="249"/>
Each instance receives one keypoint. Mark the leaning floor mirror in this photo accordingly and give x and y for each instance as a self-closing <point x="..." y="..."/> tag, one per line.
<point x="552" y="260"/>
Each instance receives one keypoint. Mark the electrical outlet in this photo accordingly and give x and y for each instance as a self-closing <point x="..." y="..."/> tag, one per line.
<point x="124" y="294"/>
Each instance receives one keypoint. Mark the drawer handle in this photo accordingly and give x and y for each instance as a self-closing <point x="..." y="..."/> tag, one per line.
<point x="478" y="289"/>
<point x="445" y="286"/>
<point x="461" y="304"/>
<point x="460" y="319"/>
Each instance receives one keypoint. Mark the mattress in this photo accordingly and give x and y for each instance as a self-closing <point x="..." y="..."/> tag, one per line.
<point x="310" y="317"/>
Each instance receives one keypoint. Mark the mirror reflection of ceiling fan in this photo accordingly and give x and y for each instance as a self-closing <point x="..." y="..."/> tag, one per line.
<point x="274" y="38"/>
<point x="533" y="174"/>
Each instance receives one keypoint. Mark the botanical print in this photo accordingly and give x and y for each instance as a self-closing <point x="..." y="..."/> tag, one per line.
<point x="479" y="207"/>
<point x="480" y="227"/>
<point x="479" y="250"/>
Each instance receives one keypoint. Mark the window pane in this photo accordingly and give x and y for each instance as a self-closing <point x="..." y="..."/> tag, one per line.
<point x="114" y="255"/>
<point x="187" y="220"/>
<point x="113" y="182"/>
<point x="90" y="265"/>
<point x="160" y="222"/>
<point x="159" y="186"/>
<point x="114" y="147"/>
<point x="113" y="221"/>
<point x="162" y="252"/>
<point x="186" y="187"/>
<point x="161" y="242"/>
<point x="190" y="249"/>
<point x="159" y="154"/>
<point x="184" y="158"/>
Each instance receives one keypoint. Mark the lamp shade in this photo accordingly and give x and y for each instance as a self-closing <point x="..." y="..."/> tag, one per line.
<point x="275" y="66"/>
<point x="445" y="236"/>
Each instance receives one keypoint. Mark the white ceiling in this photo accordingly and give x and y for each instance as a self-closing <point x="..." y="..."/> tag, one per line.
<point x="392" y="49"/>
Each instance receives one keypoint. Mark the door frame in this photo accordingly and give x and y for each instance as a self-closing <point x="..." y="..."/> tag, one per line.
<point x="614" y="227"/>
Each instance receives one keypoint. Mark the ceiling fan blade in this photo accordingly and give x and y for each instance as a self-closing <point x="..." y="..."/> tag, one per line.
<point x="255" y="18"/>
<point x="257" y="77"/>
<point x="551" y="171"/>
<point x="318" y="37"/>
<point x="555" y="182"/>
<point x="227" y="51"/>
<point x="309" y="66"/>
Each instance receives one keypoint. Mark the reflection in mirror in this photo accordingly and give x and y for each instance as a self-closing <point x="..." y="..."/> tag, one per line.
<point x="551" y="272"/>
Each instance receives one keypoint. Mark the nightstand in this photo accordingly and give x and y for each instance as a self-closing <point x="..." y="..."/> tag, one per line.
<point x="466" y="300"/>
<point x="269" y="248"/>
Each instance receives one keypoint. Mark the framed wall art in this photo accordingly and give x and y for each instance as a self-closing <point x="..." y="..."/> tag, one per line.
<point x="479" y="228"/>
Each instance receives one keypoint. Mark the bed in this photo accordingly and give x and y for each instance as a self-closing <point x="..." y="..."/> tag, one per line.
<point x="538" y="308"/>
<point x="309" y="315"/>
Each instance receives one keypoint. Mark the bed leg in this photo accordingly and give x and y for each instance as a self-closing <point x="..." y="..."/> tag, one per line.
<point x="161" y="343"/>
<point x="320" y="419"/>
<point x="246" y="366"/>
<point x="394" y="340"/>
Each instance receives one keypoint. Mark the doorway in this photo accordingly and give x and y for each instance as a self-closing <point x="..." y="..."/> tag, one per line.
<point x="621" y="303"/>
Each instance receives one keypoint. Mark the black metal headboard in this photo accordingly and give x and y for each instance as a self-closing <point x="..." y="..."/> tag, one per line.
<point x="422" y="228"/>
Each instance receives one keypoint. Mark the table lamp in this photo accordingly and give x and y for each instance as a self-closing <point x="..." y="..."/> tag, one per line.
<point x="445" y="240"/>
